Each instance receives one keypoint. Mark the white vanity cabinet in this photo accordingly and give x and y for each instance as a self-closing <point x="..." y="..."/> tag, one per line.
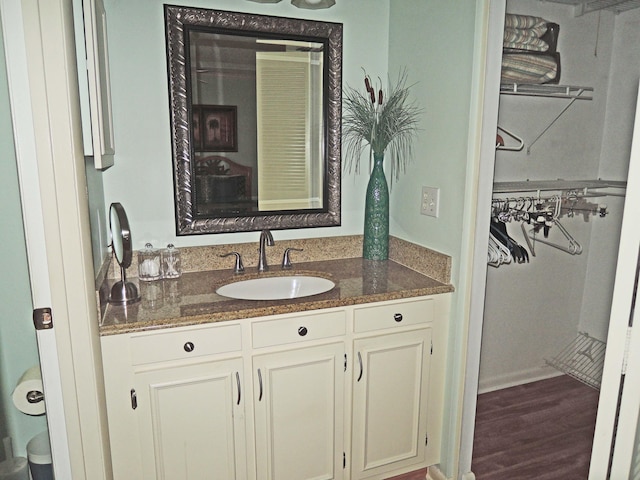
<point x="392" y="357"/>
<point x="191" y="421"/>
<point x="342" y="393"/>
<point x="299" y="413"/>
<point x="299" y="396"/>
<point x="176" y="403"/>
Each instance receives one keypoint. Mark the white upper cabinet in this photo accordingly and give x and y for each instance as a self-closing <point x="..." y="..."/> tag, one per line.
<point x="93" y="80"/>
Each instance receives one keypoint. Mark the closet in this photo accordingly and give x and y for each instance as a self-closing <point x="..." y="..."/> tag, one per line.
<point x="559" y="183"/>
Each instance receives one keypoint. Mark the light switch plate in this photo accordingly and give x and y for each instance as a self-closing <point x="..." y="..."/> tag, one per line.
<point x="430" y="201"/>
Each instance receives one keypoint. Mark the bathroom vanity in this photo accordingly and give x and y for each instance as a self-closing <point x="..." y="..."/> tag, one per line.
<point x="347" y="384"/>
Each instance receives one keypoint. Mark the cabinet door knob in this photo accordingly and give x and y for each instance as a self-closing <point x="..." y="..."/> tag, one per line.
<point x="302" y="331"/>
<point x="189" y="347"/>
<point x="397" y="317"/>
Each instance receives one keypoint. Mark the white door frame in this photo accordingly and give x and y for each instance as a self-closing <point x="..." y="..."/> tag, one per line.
<point x="43" y="91"/>
<point x="490" y="91"/>
<point x="623" y="343"/>
<point x="15" y="52"/>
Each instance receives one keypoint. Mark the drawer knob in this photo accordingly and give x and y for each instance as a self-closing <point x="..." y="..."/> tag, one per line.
<point x="397" y="317"/>
<point x="189" y="347"/>
<point x="302" y="331"/>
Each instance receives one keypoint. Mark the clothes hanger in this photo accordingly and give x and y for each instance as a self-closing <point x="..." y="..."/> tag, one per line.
<point x="497" y="253"/>
<point x="500" y="145"/>
<point x="518" y="252"/>
<point x="573" y="247"/>
<point x="528" y="240"/>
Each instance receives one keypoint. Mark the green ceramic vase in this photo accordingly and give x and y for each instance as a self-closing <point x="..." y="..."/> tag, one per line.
<point x="376" y="214"/>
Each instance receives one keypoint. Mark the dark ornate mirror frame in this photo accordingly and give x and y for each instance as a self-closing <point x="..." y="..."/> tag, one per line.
<point x="177" y="18"/>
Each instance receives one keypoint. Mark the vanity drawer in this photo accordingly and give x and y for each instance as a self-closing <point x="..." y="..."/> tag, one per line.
<point x="180" y="344"/>
<point x="400" y="314"/>
<point x="298" y="329"/>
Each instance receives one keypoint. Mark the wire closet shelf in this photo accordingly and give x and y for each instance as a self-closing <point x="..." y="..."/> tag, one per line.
<point x="582" y="359"/>
<point x="582" y="7"/>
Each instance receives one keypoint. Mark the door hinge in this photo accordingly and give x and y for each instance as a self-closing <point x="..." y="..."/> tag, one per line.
<point x="344" y="460"/>
<point x="134" y="399"/>
<point x="625" y="358"/>
<point x="431" y="347"/>
<point x="345" y="362"/>
<point x="43" y="318"/>
<point x="426" y="439"/>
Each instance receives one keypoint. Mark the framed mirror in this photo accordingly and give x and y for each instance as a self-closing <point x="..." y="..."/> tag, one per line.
<point x="255" y="105"/>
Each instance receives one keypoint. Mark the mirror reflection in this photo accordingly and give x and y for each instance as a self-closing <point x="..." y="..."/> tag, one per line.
<point x="255" y="110"/>
<point x="259" y="100"/>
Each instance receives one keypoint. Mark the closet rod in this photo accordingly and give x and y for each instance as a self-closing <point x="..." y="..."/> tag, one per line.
<point x="586" y="186"/>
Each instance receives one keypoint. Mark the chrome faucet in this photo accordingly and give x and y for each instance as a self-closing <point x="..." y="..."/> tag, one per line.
<point x="266" y="239"/>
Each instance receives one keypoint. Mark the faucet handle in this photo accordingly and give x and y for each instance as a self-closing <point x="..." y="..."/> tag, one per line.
<point x="286" y="258"/>
<point x="239" y="267"/>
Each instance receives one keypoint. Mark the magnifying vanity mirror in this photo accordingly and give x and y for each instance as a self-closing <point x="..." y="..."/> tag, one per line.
<point x="123" y="292"/>
<point x="255" y="117"/>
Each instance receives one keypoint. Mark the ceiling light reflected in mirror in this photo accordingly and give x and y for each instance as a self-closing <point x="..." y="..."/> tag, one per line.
<point x="313" y="4"/>
<point x="309" y="4"/>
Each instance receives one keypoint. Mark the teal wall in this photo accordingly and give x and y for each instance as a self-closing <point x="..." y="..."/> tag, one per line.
<point x="435" y="40"/>
<point x="439" y="63"/>
<point x="97" y="215"/>
<point x="18" y="350"/>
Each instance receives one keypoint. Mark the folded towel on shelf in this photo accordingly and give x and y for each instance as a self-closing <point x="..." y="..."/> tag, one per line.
<point x="525" y="32"/>
<point x="523" y="21"/>
<point x="515" y="38"/>
<point x="529" y="50"/>
<point x="525" y="68"/>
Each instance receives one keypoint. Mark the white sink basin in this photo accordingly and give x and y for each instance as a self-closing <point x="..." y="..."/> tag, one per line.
<point x="276" y="288"/>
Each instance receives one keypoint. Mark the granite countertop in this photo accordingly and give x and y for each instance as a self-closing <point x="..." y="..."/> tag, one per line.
<point x="191" y="299"/>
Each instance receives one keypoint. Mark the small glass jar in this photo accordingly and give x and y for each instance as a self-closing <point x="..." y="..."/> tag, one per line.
<point x="149" y="264"/>
<point x="171" y="265"/>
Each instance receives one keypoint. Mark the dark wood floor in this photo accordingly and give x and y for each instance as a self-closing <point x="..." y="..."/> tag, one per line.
<point x="542" y="430"/>
<point x="416" y="475"/>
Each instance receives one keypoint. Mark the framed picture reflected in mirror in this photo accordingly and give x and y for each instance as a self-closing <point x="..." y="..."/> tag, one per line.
<point x="215" y="128"/>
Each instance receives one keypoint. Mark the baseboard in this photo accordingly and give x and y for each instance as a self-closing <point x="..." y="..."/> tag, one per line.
<point x="434" y="473"/>
<point x="517" y="378"/>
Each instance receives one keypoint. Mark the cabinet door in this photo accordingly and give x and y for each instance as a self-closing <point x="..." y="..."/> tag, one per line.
<point x="391" y="377"/>
<point x="299" y="413"/>
<point x="191" y="421"/>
